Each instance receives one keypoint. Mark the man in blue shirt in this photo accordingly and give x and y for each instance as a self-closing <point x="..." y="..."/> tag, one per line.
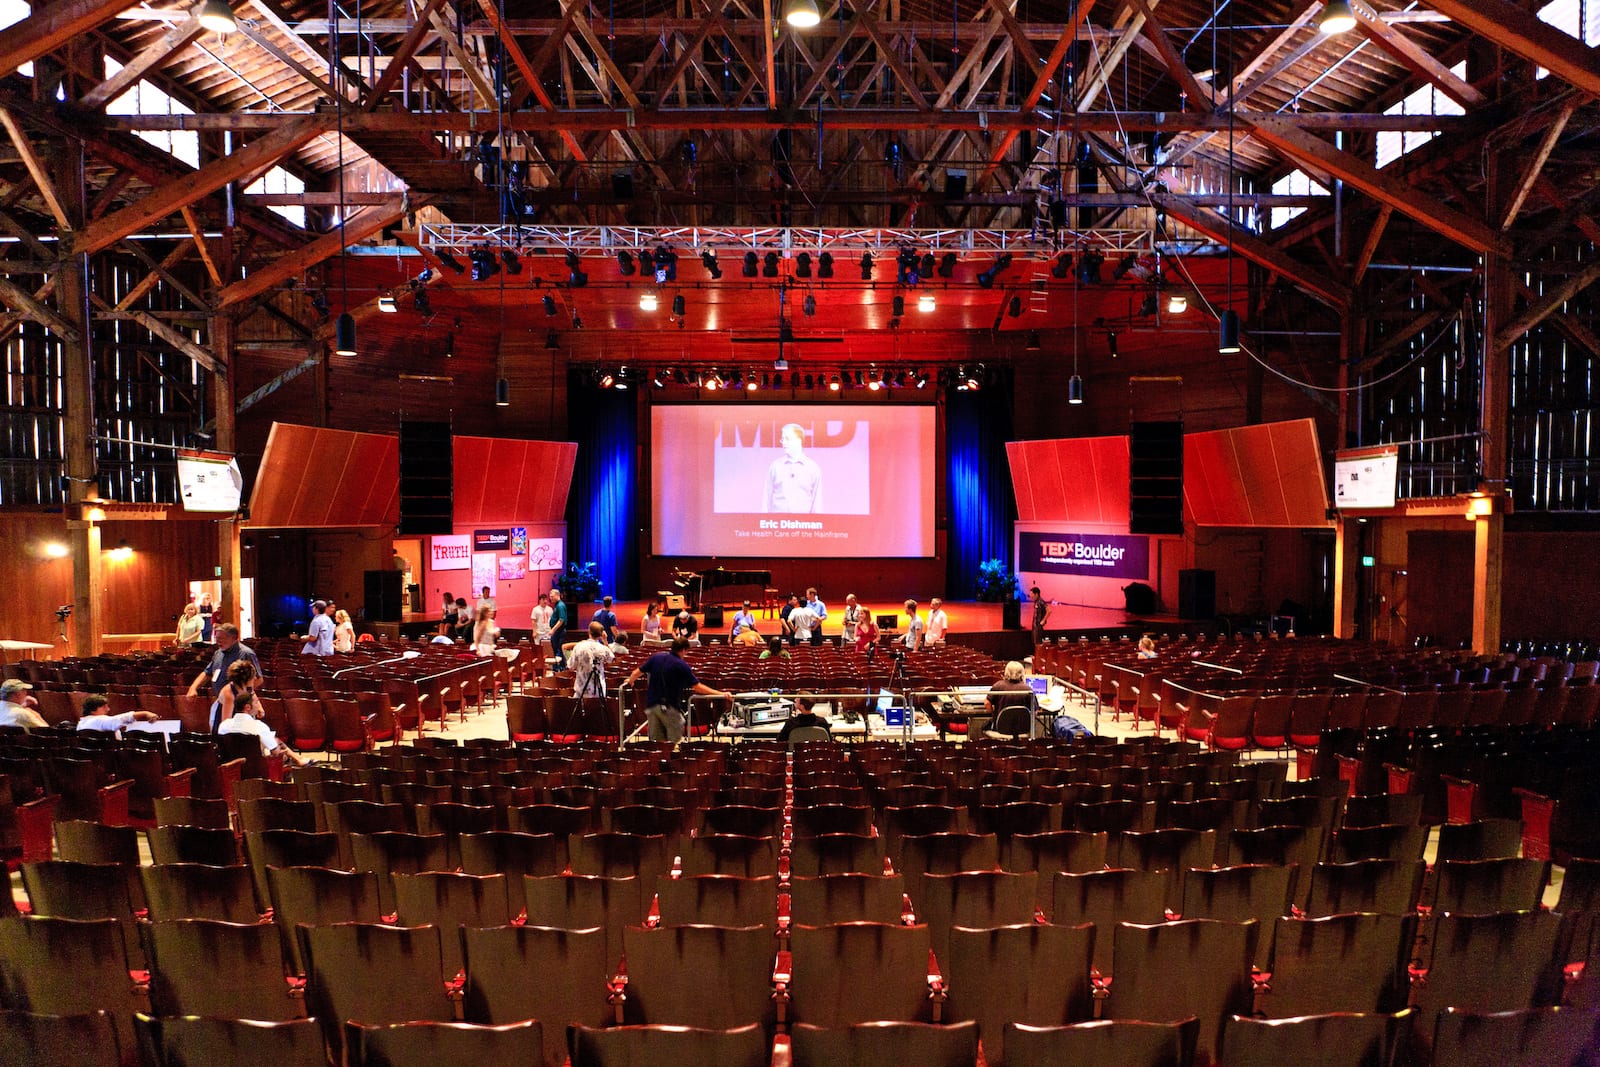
<point x="319" y="637"/>
<point x="606" y="618"/>
<point x="743" y="619"/>
<point x="820" y="610"/>
<point x="228" y="650"/>
<point x="667" y="695"/>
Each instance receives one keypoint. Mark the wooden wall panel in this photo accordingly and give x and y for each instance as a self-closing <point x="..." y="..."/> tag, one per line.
<point x="313" y="477"/>
<point x="500" y="480"/>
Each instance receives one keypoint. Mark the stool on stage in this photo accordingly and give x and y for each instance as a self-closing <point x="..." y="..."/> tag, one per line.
<point x="769" y="602"/>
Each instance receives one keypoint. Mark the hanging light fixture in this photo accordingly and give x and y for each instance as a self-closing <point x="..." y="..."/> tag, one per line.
<point x="502" y="393"/>
<point x="1075" y="390"/>
<point x="1228" y="332"/>
<point x="1337" y="17"/>
<point x="344" y="335"/>
<point x="802" y="14"/>
<point x="216" y="16"/>
<point x="1111" y="344"/>
<point x="1177" y="304"/>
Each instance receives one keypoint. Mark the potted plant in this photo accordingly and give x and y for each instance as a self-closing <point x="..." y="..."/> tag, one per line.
<point x="580" y="583"/>
<point x="997" y="584"/>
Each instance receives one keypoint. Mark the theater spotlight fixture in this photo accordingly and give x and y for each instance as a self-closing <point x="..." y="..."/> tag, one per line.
<point x="1089" y="264"/>
<point x="647" y="301"/>
<point x="622" y="378"/>
<point x="1062" y="267"/>
<point x="898" y="306"/>
<point x="549" y="305"/>
<point x="1228" y="332"/>
<point x="866" y="266"/>
<point x="802" y="265"/>
<point x="607" y="379"/>
<point x="344" y="334"/>
<point x="451" y="261"/>
<point x="484" y="265"/>
<point x="1014" y="309"/>
<point x="666" y="261"/>
<point x="986" y="278"/>
<point x="947" y="265"/>
<point x="218" y="17"/>
<point x="387" y="305"/>
<point x="656" y="379"/>
<point x="922" y="379"/>
<point x="928" y="265"/>
<point x="513" y="264"/>
<point x="678" y="305"/>
<point x="750" y="382"/>
<point x="751" y="265"/>
<point x="833" y="383"/>
<point x="769" y="265"/>
<point x="825" y="265"/>
<point x="1177" y="304"/>
<point x="576" y="278"/>
<point x="925" y="302"/>
<point x="1124" y="265"/>
<point x="809" y="305"/>
<point x="625" y="262"/>
<point x="708" y="260"/>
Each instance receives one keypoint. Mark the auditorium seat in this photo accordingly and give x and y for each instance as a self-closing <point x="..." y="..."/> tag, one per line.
<point x="740" y="820"/>
<point x="193" y="844"/>
<point x="1235" y="894"/>
<point x="813" y="821"/>
<point x="1479" y="887"/>
<point x="847" y="973"/>
<point x="197" y="891"/>
<point x="583" y="901"/>
<point x="648" y="1046"/>
<point x="712" y="977"/>
<point x="1214" y="958"/>
<point x="1031" y="973"/>
<point x="1387" y="887"/>
<point x="1535" y="1037"/>
<point x="192" y="811"/>
<point x="617" y="855"/>
<point x="414" y="1043"/>
<point x="449" y="901"/>
<point x="273" y="813"/>
<point x="389" y="853"/>
<point x="837" y="898"/>
<point x="319" y="896"/>
<point x="69" y="967"/>
<point x="1125" y="1043"/>
<point x="1380" y="842"/>
<point x="88" y="1039"/>
<point x="882" y="1043"/>
<point x="1279" y="846"/>
<point x="1341" y="963"/>
<point x="190" y="957"/>
<point x="1340" y="1039"/>
<point x="945" y="853"/>
<point x="561" y="819"/>
<point x="514" y="855"/>
<point x="288" y="848"/>
<point x="1483" y="839"/>
<point x="1106" y="898"/>
<point x="1172" y="851"/>
<point x="374" y="974"/>
<point x="525" y="972"/>
<point x="719" y="853"/>
<point x="836" y="854"/>
<point x="717" y="900"/>
<point x="977" y="899"/>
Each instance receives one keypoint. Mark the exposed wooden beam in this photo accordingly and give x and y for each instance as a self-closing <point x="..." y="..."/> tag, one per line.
<point x="160" y="330"/>
<point x="1547" y="305"/>
<point x="1535" y="165"/>
<point x="36" y="168"/>
<point x="1416" y="59"/>
<point x="201" y="246"/>
<point x="1518" y="29"/>
<point x="1196" y="96"/>
<point x="268" y="45"/>
<point x="52" y="26"/>
<point x="402" y="55"/>
<point x="295" y="263"/>
<point x="1369" y="247"/>
<point x="1307" y="279"/>
<point x="468" y="63"/>
<point x="1131" y="22"/>
<point x="530" y="73"/>
<point x="181" y="192"/>
<point x="157" y="272"/>
<point x="174" y="40"/>
<point x="1269" y="49"/>
<point x="1385" y="188"/>
<point x="23" y="302"/>
<point x="768" y="35"/>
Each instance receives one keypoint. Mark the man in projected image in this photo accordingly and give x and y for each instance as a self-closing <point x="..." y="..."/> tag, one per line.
<point x="794" y="481"/>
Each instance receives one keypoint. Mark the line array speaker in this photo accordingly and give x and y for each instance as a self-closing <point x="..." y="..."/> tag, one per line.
<point x="1155" y="477"/>
<point x="427" y="477"/>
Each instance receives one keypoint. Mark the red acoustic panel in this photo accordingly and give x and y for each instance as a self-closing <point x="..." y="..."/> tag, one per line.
<point x="1268" y="475"/>
<point x="314" y="477"/>
<point x="502" y="480"/>
<point x="1072" y="479"/>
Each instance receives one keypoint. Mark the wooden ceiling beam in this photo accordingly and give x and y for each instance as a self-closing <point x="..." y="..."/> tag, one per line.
<point x="163" y="332"/>
<point x="1219" y="229"/>
<point x="185" y="190"/>
<point x="1130" y="23"/>
<point x="158" y="272"/>
<point x="1302" y="17"/>
<point x="1385" y="188"/>
<point x="1369" y="247"/>
<point x="1196" y="96"/>
<point x="1518" y="29"/>
<point x="157" y="52"/>
<point x="1416" y="59"/>
<point x="1535" y="165"/>
<point x="36" y="168"/>
<point x="24" y="303"/>
<point x="402" y="55"/>
<point x="1547" y="305"/>
<point x="52" y="26"/>
<point x="293" y="264"/>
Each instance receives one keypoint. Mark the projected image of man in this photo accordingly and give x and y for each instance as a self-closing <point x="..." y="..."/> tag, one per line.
<point x="794" y="481"/>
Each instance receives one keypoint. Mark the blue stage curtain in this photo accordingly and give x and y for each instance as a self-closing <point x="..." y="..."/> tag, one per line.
<point x="982" y="510"/>
<point x="601" y="520"/>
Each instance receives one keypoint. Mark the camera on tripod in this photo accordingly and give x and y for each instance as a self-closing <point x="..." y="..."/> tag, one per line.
<point x="63" y="612"/>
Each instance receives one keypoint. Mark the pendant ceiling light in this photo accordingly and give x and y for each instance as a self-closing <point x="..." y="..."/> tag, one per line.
<point x="802" y="14"/>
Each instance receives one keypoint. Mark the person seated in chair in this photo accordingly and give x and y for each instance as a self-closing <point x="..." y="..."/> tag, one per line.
<point x="804" y="716"/>
<point x="93" y="715"/>
<point x="1010" y="691"/>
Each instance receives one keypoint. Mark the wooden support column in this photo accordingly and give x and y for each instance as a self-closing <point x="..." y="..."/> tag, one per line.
<point x="224" y="340"/>
<point x="1347" y="540"/>
<point x="1499" y="288"/>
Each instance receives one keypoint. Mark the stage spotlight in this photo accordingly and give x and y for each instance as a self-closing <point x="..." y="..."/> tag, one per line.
<point x="572" y="260"/>
<point x="1089" y="264"/>
<point x="1124" y="265"/>
<point x="1062" y="267"/>
<point x="922" y="379"/>
<point x="809" y="305"/>
<point x="622" y="378"/>
<point x="899" y="306"/>
<point x="678" y="305"/>
<point x="647" y="301"/>
<point x="811" y="382"/>
<point x="549" y="305"/>
<point x="712" y="381"/>
<point x="859" y="380"/>
<point x="986" y="278"/>
<point x="607" y="380"/>
<point x="777" y="379"/>
<point x="900" y="380"/>
<point x="802" y="265"/>
<point x="552" y="341"/>
<point x="1149" y="305"/>
<point x="766" y="381"/>
<point x="484" y="265"/>
<point x="577" y="320"/>
<point x="825" y="265"/>
<point x="577" y="279"/>
<point x="680" y="378"/>
<point x="1177" y="304"/>
<point x="419" y="300"/>
<point x="1228" y="332"/>
<point x="926" y="302"/>
<point x="1336" y="18"/>
<point x="866" y="266"/>
<point x="873" y="383"/>
<point x="833" y="383"/>
<point x="928" y="266"/>
<point x="708" y="260"/>
<point x="509" y="258"/>
<point x="769" y="265"/>
<point x="666" y="265"/>
<point x="1014" y="309"/>
<point x="625" y="262"/>
<point x="387" y="305"/>
<point x="751" y="265"/>
<point x="657" y="379"/>
<point x="1033" y="341"/>
<point x="947" y="265"/>
<point x="974" y="379"/>
<point x="451" y="261"/>
<point x="908" y="267"/>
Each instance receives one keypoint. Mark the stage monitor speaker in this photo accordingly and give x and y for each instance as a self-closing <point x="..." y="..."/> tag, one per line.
<point x="713" y="616"/>
<point x="1197" y="594"/>
<point x="1155" y="477"/>
<point x="384" y="592"/>
<point x="427" y="478"/>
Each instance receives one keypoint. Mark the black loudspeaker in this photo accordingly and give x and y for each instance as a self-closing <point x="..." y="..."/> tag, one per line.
<point x="713" y="616"/>
<point x="427" y="477"/>
<point x="622" y="185"/>
<point x="1155" y="477"/>
<point x="1138" y="599"/>
<point x="1197" y="594"/>
<point x="384" y="596"/>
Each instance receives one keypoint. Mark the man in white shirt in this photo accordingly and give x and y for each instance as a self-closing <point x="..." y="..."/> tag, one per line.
<point x="912" y="638"/>
<point x="938" y="622"/>
<point x="820" y="610"/>
<point x="541" y="620"/>
<point x="804" y="624"/>
<point x="485" y="599"/>
<point x="319" y="635"/>
<point x="94" y="719"/>
<point x="17" y="707"/>
<point x="588" y="661"/>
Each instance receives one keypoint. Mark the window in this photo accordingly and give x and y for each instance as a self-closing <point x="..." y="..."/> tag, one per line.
<point x="1428" y="100"/>
<point x="145" y="99"/>
<point x="1575" y="18"/>
<point x="11" y="13"/>
<point x="1296" y="182"/>
<point x="278" y="180"/>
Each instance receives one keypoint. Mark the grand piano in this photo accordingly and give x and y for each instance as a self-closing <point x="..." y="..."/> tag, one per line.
<point x="697" y="584"/>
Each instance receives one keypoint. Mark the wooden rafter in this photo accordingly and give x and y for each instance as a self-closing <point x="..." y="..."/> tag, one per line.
<point x="181" y="192"/>
<point x="52" y="26"/>
<point x="158" y="272"/>
<point x="163" y="332"/>
<point x="179" y="37"/>
<point x="1416" y="59"/>
<point x="1518" y="29"/>
<point x="36" y="168"/>
<point x="198" y="232"/>
<point x="402" y="55"/>
<point x="293" y="264"/>
<point x="24" y="303"/>
<point x="1369" y="247"/>
<point x="1547" y="305"/>
<point x="1535" y="164"/>
<point x="1219" y="229"/>
<point x="1196" y="96"/>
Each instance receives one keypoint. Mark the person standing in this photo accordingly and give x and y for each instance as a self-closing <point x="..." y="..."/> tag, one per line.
<point x="229" y="649"/>
<point x="558" y="628"/>
<point x="190" y="626"/>
<point x="686" y="627"/>
<point x="464" y="620"/>
<point x="344" y="632"/>
<point x="589" y="659"/>
<point x="912" y="638"/>
<point x="485" y="632"/>
<point x="804" y="624"/>
<point x="606" y="618"/>
<point x="319" y="635"/>
<point x="540" y="618"/>
<point x="1041" y="612"/>
<point x="235" y="711"/>
<point x="743" y="619"/>
<point x="671" y="681"/>
<point x="486" y="600"/>
<point x="17" y="708"/>
<point x="650" y="625"/>
<point x="207" y="617"/>
<point x="783" y="616"/>
<point x="818" y="609"/>
<point x="852" y="618"/>
<point x="866" y="632"/>
<point x="938" y="622"/>
<point x="449" y="620"/>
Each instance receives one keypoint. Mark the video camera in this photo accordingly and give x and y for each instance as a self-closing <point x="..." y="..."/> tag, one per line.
<point x="63" y="612"/>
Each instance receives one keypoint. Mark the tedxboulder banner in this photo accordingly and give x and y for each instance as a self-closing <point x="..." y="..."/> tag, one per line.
<point x="1089" y="555"/>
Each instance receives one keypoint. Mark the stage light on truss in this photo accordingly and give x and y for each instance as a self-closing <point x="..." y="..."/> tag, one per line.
<point x="809" y="305"/>
<point x="708" y="260"/>
<point x="751" y="266"/>
<point x="769" y="265"/>
<point x="802" y="265"/>
<point x="898" y="306"/>
<point x="825" y="265"/>
<point x="344" y="333"/>
<point x="625" y="264"/>
<point x="1177" y="304"/>
<point x="509" y="258"/>
<point x="922" y="379"/>
<point x="833" y="383"/>
<point x="607" y="379"/>
<point x="451" y="261"/>
<point x="549" y="305"/>
<point x="1062" y="267"/>
<point x="678" y="305"/>
<point x="866" y="266"/>
<point x="947" y="265"/>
